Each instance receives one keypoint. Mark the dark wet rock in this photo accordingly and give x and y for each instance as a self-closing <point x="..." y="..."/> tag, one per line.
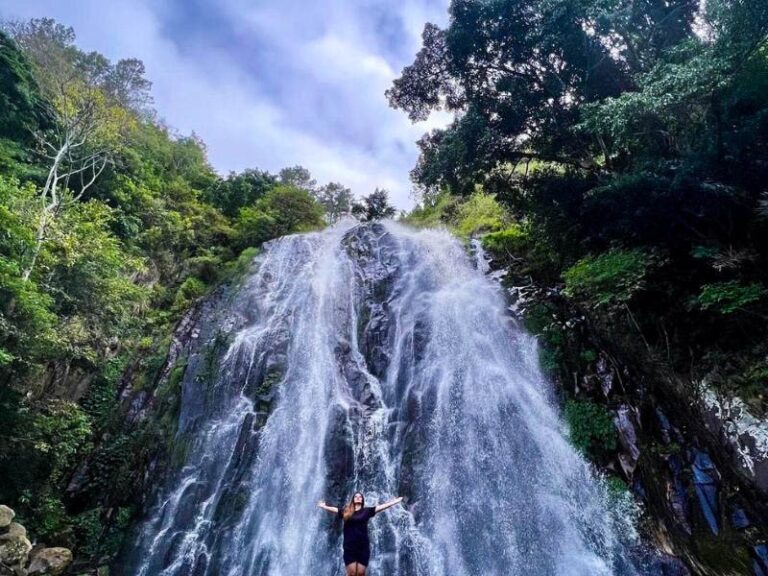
<point x="626" y="420"/>
<point x="353" y="369"/>
<point x="667" y="565"/>
<point x="377" y="266"/>
<point x="739" y="518"/>
<point x="604" y="375"/>
<point x="760" y="560"/>
<point x="744" y="435"/>
<point x="667" y="431"/>
<point x="140" y="402"/>
<point x="706" y="480"/>
<point x="340" y="458"/>
<point x="677" y="495"/>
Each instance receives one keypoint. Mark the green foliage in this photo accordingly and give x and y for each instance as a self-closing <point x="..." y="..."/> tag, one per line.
<point x="475" y="214"/>
<point x="335" y="199"/>
<point x="283" y="210"/>
<point x="609" y="279"/>
<point x="591" y="428"/>
<point x="375" y="206"/>
<point x="60" y="432"/>
<point x="617" y="488"/>
<point x="99" y="536"/>
<point x="240" y="190"/>
<point x="48" y="517"/>
<point x="729" y="297"/>
<point x="511" y="241"/>
<point x="540" y="320"/>
<point x="439" y="210"/>
<point x="480" y="213"/>
<point x="190" y="290"/>
<point x="237" y="269"/>
<point x="91" y="289"/>
<point x="588" y="356"/>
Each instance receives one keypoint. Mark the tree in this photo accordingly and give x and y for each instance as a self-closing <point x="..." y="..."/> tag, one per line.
<point x="20" y="100"/>
<point x="81" y="94"/>
<point x="375" y="206"/>
<point x="299" y="177"/>
<point x="283" y="210"/>
<point x="516" y="72"/>
<point x="336" y="199"/>
<point x="237" y="191"/>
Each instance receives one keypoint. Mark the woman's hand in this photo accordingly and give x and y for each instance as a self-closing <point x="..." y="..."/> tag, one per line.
<point x="324" y="506"/>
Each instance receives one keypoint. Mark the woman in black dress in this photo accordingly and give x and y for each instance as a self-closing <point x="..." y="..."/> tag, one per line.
<point x="357" y="547"/>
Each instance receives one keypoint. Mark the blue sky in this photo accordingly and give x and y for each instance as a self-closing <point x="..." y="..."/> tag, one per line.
<point x="271" y="83"/>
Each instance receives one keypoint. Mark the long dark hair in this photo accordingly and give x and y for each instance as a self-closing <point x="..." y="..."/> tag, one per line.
<point x="349" y="509"/>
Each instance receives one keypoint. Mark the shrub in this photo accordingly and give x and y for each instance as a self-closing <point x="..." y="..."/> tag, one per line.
<point x="61" y="432"/>
<point x="729" y="297"/>
<point x="191" y="289"/>
<point x="507" y="242"/>
<point x="480" y="213"/>
<point x="591" y="426"/>
<point x="438" y="211"/>
<point x="608" y="279"/>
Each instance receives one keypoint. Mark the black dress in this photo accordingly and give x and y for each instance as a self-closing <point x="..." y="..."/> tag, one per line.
<point x="357" y="547"/>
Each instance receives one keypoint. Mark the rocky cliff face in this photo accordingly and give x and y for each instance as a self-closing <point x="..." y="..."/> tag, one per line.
<point x="695" y="461"/>
<point x="694" y="466"/>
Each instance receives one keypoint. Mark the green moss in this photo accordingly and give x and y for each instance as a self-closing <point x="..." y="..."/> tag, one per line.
<point x="208" y="370"/>
<point x="616" y="487"/>
<point x="591" y="428"/>
<point x="177" y="374"/>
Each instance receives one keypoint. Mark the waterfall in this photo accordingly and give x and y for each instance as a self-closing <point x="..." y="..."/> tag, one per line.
<point x="378" y="358"/>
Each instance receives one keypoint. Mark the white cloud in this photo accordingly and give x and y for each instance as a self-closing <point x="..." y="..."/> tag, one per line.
<point x="271" y="83"/>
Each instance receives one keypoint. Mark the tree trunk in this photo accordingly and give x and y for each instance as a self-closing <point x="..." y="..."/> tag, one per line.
<point x="48" y="209"/>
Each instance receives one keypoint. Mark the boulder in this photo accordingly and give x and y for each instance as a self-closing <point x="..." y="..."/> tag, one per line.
<point x="14" y="549"/>
<point x="6" y="517"/>
<point x="53" y="561"/>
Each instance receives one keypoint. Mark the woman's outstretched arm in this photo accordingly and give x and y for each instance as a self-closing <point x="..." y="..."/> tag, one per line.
<point x="382" y="507"/>
<point x="324" y="506"/>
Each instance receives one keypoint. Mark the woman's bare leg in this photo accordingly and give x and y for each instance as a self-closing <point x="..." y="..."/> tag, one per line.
<point x="355" y="569"/>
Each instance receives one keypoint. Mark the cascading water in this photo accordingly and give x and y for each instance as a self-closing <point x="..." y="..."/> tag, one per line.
<point x="374" y="357"/>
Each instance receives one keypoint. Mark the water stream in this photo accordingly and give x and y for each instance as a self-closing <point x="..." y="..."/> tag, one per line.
<point x="377" y="358"/>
